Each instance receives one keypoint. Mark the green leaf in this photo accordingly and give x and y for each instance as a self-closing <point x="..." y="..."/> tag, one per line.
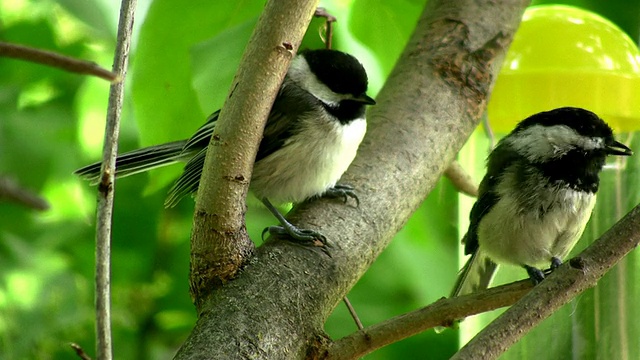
<point x="385" y="26"/>
<point x="214" y="63"/>
<point x="166" y="104"/>
<point x="93" y="14"/>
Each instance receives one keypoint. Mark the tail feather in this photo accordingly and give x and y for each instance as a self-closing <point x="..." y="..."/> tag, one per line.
<point x="140" y="160"/>
<point x="188" y="182"/>
<point x="476" y="275"/>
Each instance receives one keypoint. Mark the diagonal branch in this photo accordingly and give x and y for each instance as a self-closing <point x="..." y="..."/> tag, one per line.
<point x="403" y="326"/>
<point x="564" y="284"/>
<point x="276" y="307"/>
<point x="593" y="263"/>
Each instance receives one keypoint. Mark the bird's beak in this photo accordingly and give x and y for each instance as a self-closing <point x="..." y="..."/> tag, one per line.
<point x="617" y="148"/>
<point x="365" y="99"/>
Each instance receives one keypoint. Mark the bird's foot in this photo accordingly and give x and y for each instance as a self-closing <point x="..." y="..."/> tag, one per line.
<point x="555" y="263"/>
<point x="301" y="236"/>
<point x="536" y="275"/>
<point x="289" y="231"/>
<point x="342" y="191"/>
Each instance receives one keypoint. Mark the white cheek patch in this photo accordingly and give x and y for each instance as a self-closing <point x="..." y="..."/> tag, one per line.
<point x="540" y="143"/>
<point x="300" y="73"/>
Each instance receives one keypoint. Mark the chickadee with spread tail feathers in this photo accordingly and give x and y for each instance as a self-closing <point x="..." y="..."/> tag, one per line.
<point x="537" y="196"/>
<point x="310" y="138"/>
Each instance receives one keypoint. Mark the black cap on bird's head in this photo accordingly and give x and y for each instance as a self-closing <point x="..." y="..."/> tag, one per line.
<point x="584" y="122"/>
<point x="340" y="72"/>
<point x="588" y="130"/>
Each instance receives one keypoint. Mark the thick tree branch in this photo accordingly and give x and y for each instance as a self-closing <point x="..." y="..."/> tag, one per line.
<point x="432" y="101"/>
<point x="564" y="284"/>
<point x="219" y="242"/>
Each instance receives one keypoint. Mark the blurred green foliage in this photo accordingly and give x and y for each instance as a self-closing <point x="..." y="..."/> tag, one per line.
<point x="183" y="58"/>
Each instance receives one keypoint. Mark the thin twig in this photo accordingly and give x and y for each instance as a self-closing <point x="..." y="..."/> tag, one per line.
<point x="106" y="188"/>
<point x="531" y="305"/>
<point x="11" y="191"/>
<point x="486" y="125"/>
<point x="55" y="60"/>
<point x="353" y="313"/>
<point x="79" y="351"/>
<point x="328" y="27"/>
<point x="441" y="313"/>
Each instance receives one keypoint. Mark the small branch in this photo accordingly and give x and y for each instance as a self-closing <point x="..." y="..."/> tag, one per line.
<point x="13" y="192"/>
<point x="55" y="60"/>
<point x="106" y="188"/>
<point x="564" y="284"/>
<point x="439" y="313"/>
<point x="353" y="313"/>
<point x="486" y="125"/>
<point x="461" y="179"/>
<point x="328" y="27"/>
<point x="531" y="306"/>
<point x="79" y="351"/>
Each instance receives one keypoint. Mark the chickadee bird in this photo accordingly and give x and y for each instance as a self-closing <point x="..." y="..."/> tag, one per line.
<point x="537" y="196"/>
<point x="311" y="136"/>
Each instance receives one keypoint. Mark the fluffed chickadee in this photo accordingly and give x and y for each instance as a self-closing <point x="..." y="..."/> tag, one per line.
<point x="537" y="195"/>
<point x="311" y="136"/>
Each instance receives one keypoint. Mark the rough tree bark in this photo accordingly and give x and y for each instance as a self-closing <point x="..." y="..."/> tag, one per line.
<point x="276" y="307"/>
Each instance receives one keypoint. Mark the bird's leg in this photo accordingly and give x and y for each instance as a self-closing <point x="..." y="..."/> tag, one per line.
<point x="304" y="236"/>
<point x="341" y="191"/>
<point x="536" y="275"/>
